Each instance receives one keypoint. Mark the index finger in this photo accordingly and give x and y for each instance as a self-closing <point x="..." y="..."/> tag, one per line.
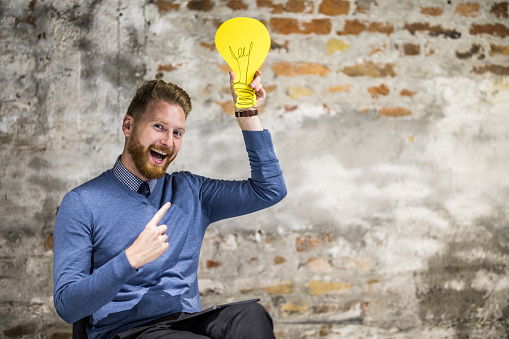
<point x="159" y="214"/>
<point x="256" y="79"/>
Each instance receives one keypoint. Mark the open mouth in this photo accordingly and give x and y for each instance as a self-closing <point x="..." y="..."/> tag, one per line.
<point x="159" y="156"/>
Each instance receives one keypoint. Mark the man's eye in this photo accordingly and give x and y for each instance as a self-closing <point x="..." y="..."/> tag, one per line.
<point x="158" y="126"/>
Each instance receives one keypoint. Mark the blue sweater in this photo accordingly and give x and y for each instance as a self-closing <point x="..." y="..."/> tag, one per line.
<point x="100" y="219"/>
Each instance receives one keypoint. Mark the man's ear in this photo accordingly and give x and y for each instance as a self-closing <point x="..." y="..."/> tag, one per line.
<point x="127" y="125"/>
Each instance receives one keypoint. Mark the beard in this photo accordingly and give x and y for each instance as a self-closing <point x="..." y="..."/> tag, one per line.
<point x="141" y="155"/>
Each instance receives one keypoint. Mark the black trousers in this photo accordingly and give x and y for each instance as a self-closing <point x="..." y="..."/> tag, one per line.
<point x="240" y="321"/>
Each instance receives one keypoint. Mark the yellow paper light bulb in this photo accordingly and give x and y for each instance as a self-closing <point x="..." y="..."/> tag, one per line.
<point x="244" y="44"/>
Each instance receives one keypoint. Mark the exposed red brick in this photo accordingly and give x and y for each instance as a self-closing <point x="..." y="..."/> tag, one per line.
<point x="245" y="285"/>
<point x="495" y="69"/>
<point x="499" y="49"/>
<point x="334" y="7"/>
<point x="278" y="287"/>
<point x="375" y="91"/>
<point x="407" y="93"/>
<point x="276" y="8"/>
<point x="340" y="88"/>
<point x="291" y="108"/>
<point x="275" y="45"/>
<point x="324" y="331"/>
<point x="200" y="5"/>
<point x="48" y="244"/>
<point x="394" y="112"/>
<point x="289" y="308"/>
<point x="169" y="67"/>
<point x="363" y="6"/>
<point x="278" y="260"/>
<point x="166" y="6"/>
<point x="318" y="264"/>
<point x="215" y="22"/>
<point x="224" y="67"/>
<point x="325" y="308"/>
<point x="432" y="11"/>
<point x="306" y="244"/>
<point x="237" y="5"/>
<point x="409" y="49"/>
<point x="475" y="49"/>
<point x="491" y="29"/>
<point x="299" y="6"/>
<point x="270" y="89"/>
<point x="213" y="264"/>
<point x="432" y="30"/>
<point x="356" y="27"/>
<point x="360" y="9"/>
<point x="381" y="27"/>
<point x="297" y="92"/>
<point x="210" y="46"/>
<point x="375" y="50"/>
<point x="292" y="26"/>
<point x="290" y="69"/>
<point x="318" y="287"/>
<point x="468" y="10"/>
<point x="370" y="69"/>
<point x="359" y="264"/>
<point x="29" y="19"/>
<point x="227" y="106"/>
<point x="500" y="10"/>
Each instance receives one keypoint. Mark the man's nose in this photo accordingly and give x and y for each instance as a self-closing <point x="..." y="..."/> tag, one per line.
<point x="167" y="140"/>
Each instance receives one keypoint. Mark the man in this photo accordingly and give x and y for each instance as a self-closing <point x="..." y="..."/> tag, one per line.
<point x="127" y="243"/>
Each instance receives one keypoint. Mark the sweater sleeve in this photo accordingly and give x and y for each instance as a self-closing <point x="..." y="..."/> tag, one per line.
<point x="223" y="199"/>
<point x="79" y="292"/>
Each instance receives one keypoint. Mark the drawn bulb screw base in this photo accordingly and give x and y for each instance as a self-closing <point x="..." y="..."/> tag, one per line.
<point x="245" y="95"/>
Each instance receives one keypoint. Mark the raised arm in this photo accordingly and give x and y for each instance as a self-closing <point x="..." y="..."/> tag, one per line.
<point x="225" y="199"/>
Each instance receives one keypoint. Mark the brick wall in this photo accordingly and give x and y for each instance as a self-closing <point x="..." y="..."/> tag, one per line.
<point x="389" y="119"/>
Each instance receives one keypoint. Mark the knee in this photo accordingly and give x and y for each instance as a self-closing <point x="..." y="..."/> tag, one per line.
<point x="252" y="321"/>
<point x="254" y="315"/>
<point x="254" y="311"/>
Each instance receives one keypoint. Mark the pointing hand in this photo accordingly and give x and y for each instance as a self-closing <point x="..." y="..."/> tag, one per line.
<point x="151" y="243"/>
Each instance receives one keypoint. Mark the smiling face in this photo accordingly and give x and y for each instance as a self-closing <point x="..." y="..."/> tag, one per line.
<point x="154" y="140"/>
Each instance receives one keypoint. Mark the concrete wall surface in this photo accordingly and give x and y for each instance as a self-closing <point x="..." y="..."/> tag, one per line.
<point x="390" y="119"/>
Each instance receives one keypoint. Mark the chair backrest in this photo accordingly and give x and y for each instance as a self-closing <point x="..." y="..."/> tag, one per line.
<point x="79" y="329"/>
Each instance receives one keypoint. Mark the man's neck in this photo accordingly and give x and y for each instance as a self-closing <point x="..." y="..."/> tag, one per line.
<point x="129" y="165"/>
<point x="129" y="179"/>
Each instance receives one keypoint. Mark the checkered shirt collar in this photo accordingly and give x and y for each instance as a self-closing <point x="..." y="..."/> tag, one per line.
<point x="129" y="179"/>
